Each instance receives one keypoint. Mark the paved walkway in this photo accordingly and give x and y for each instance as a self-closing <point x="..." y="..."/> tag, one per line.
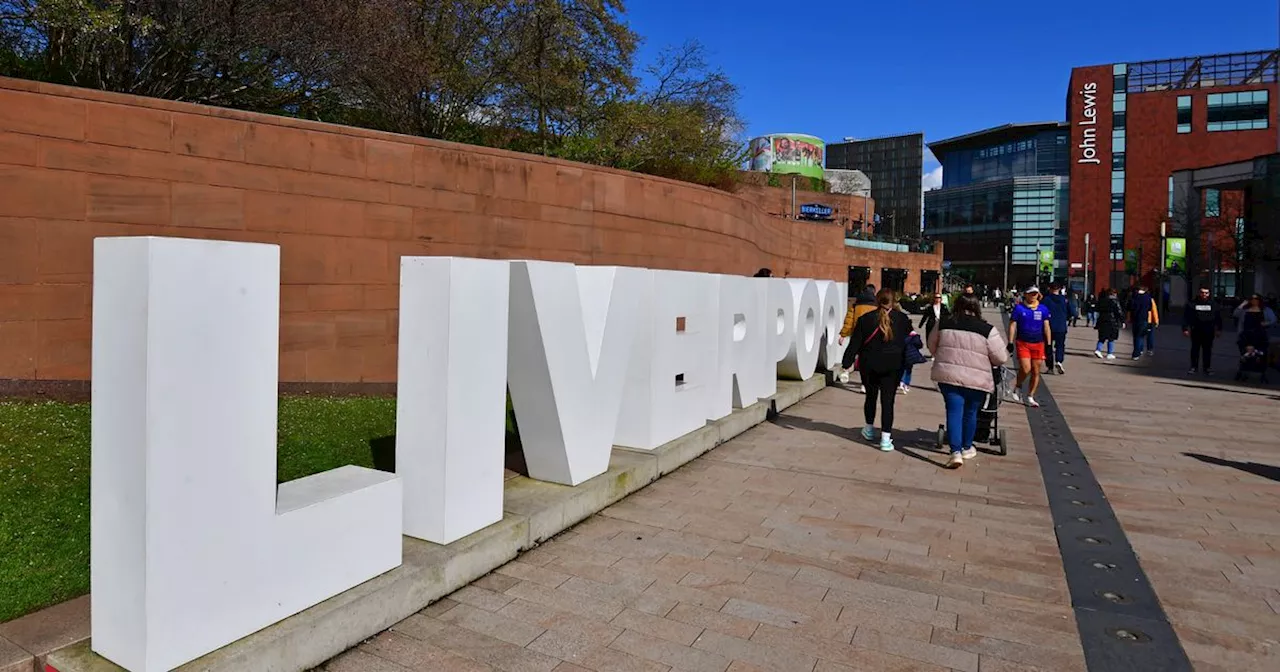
<point x="799" y="547"/>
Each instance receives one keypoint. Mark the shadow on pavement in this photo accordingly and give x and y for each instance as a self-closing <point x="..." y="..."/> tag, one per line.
<point x="1256" y="468"/>
<point x="805" y="424"/>
<point x="1220" y="389"/>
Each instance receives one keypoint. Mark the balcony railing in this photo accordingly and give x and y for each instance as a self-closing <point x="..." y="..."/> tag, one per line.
<point x="900" y="244"/>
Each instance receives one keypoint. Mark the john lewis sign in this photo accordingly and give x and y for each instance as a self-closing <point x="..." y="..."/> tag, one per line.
<point x="193" y="544"/>
<point x="1089" y="125"/>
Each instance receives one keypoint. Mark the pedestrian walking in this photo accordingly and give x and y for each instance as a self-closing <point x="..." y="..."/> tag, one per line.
<point x="1144" y="317"/>
<point x="965" y="349"/>
<point x="1029" y="331"/>
<point x="933" y="313"/>
<point x="880" y="339"/>
<point x="1059" y="318"/>
<point x="1108" y="321"/>
<point x="1090" y="311"/>
<point x="1254" y="319"/>
<point x="1073" y="305"/>
<point x="865" y="303"/>
<point x="1202" y="323"/>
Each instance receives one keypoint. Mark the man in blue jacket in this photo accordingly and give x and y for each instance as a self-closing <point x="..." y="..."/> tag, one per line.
<point x="1059" y="315"/>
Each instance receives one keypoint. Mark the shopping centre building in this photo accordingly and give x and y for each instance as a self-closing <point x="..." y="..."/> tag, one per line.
<point x="1004" y="191"/>
<point x="1106" y="176"/>
<point x="1133" y="125"/>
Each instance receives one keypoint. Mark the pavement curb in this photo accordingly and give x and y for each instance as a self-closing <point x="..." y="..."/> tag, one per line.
<point x="534" y="512"/>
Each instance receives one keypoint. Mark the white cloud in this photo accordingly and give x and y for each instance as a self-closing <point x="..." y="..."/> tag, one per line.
<point x="932" y="179"/>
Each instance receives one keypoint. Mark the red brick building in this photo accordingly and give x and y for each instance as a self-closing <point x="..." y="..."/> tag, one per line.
<point x="1134" y="124"/>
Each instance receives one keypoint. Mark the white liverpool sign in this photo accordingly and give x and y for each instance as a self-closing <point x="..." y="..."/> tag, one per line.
<point x="195" y="546"/>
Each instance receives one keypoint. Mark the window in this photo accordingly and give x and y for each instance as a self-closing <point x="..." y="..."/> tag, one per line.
<point x="1212" y="203"/>
<point x="1117" y="181"/>
<point x="1117" y="161"/>
<point x="1184" y="114"/>
<point x="1238" y="111"/>
<point x="1119" y="77"/>
<point x="1117" y="202"/>
<point x="1117" y="119"/>
<point x="1117" y="223"/>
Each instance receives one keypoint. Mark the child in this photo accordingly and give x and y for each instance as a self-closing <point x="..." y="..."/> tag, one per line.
<point x="913" y="356"/>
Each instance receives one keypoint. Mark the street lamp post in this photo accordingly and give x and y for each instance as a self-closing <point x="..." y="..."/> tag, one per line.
<point x="1086" y="265"/>
<point x="1006" y="268"/>
<point x="1160" y="271"/>
<point x="1037" y="263"/>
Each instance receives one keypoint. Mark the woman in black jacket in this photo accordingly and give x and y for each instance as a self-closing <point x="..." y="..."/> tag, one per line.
<point x="1110" y="321"/>
<point x="880" y="339"/>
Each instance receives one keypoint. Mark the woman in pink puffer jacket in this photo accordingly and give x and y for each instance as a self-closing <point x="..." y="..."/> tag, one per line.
<point x="964" y="349"/>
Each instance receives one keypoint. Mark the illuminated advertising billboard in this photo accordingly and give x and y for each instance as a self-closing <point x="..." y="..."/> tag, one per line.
<point x="789" y="153"/>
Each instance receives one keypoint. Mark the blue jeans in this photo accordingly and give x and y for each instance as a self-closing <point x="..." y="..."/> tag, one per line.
<point x="1111" y="347"/>
<point x="1059" y="346"/>
<point x="962" y="414"/>
<point x="1143" y="335"/>
<point x="1090" y="317"/>
<point x="906" y="376"/>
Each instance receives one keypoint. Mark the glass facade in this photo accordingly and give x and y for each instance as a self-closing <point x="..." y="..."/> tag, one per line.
<point x="976" y="221"/>
<point x="1238" y="111"/>
<point x="1120" y="101"/>
<point x="1043" y="153"/>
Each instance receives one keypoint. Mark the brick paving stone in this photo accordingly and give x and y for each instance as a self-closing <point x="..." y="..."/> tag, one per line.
<point x="917" y="650"/>
<point x="471" y="645"/>
<point x="657" y="626"/>
<point x="768" y="657"/>
<point x="669" y="653"/>
<point x="717" y="621"/>
<point x="358" y="660"/>
<point x="498" y="626"/>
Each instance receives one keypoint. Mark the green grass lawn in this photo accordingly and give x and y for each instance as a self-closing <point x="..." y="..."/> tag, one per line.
<point x="44" y="483"/>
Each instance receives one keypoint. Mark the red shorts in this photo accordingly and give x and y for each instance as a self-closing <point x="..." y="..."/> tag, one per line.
<point x="1031" y="351"/>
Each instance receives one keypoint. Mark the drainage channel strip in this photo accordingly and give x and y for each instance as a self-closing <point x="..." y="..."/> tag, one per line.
<point x="1121" y="624"/>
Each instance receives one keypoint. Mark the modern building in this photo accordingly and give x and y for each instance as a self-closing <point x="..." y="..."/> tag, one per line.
<point x="895" y="165"/>
<point x="1242" y="264"/>
<point x="1133" y="126"/>
<point x="1002" y="187"/>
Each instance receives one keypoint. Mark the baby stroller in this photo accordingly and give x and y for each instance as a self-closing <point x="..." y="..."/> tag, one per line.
<point x="989" y="431"/>
<point x="1253" y="356"/>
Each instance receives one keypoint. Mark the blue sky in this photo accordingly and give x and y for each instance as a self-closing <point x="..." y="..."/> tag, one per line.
<point x="837" y="68"/>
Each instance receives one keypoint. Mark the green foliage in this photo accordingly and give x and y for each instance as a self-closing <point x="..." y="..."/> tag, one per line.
<point x="774" y="180"/>
<point x="554" y="77"/>
<point x="44" y="483"/>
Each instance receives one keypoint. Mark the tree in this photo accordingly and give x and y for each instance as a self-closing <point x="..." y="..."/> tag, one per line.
<point x="247" y="54"/>
<point x="574" y="59"/>
<point x="554" y="77"/>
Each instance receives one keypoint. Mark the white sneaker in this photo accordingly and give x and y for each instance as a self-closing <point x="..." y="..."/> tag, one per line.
<point x="1015" y="396"/>
<point x="1098" y="354"/>
<point x="956" y="461"/>
<point x="886" y="444"/>
<point x="1031" y="401"/>
<point x="1059" y="369"/>
<point x="969" y="453"/>
<point x="844" y="377"/>
<point x="1111" y="356"/>
<point x="862" y="389"/>
<point x="902" y="389"/>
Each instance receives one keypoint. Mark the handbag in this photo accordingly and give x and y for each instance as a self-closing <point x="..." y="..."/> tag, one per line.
<point x="864" y="344"/>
